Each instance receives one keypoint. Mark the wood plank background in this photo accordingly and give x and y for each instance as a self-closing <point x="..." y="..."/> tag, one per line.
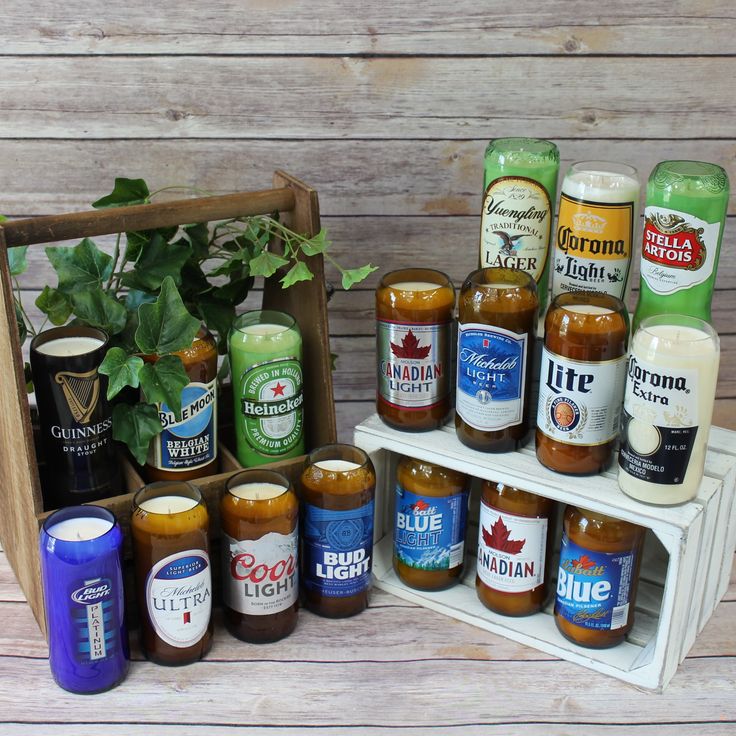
<point x="386" y="110"/>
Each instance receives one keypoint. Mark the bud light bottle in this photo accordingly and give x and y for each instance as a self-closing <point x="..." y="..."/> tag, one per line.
<point x="684" y="218"/>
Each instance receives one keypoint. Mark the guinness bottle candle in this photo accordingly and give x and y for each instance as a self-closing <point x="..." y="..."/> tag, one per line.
<point x="259" y="513"/>
<point x="172" y="568"/>
<point x="266" y="365"/>
<point x="581" y="382"/>
<point x="599" y="206"/>
<point x="496" y="333"/>
<point x="82" y="575"/>
<point x="668" y="405"/>
<point x="414" y="309"/>
<point x="76" y="420"/>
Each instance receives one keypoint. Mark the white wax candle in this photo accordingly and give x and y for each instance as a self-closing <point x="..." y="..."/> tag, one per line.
<point x="670" y="391"/>
<point x="337" y="466"/>
<point x="415" y="286"/>
<point x="168" y="504"/>
<point x="69" y="346"/>
<point x="601" y="186"/>
<point x="264" y="329"/>
<point x="257" y="491"/>
<point x="587" y="309"/>
<point x="80" y="529"/>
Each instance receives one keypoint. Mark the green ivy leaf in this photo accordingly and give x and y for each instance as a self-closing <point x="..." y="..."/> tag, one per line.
<point x="157" y="260"/>
<point x="134" y="298"/>
<point x="352" y="276"/>
<point x="136" y="426"/>
<point x="316" y="244"/>
<point x="27" y="375"/>
<point x="55" y="305"/>
<point x="121" y="369"/>
<point x="17" y="259"/>
<point x="266" y="264"/>
<point x="165" y="326"/>
<point x="298" y="272"/>
<point x="198" y="237"/>
<point x="98" y="309"/>
<point x="235" y="291"/>
<point x="20" y="320"/>
<point x="218" y="316"/>
<point x="125" y="192"/>
<point x="82" y="267"/>
<point x="163" y="381"/>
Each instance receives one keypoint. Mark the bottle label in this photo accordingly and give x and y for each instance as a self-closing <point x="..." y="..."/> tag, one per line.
<point x="261" y="574"/>
<point x="413" y="370"/>
<point x="511" y="550"/>
<point x="95" y="615"/>
<point x="515" y="225"/>
<point x="430" y="530"/>
<point x="179" y="597"/>
<point x="660" y="422"/>
<point x="190" y="442"/>
<point x="337" y="548"/>
<point x="594" y="588"/>
<point x="271" y="406"/>
<point x="491" y="373"/>
<point x="678" y="250"/>
<point x="594" y="246"/>
<point x="580" y="401"/>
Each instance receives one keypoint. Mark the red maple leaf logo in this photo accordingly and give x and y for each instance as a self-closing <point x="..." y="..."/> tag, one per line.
<point x="498" y="538"/>
<point x="410" y="348"/>
<point x="419" y="505"/>
<point x="584" y="561"/>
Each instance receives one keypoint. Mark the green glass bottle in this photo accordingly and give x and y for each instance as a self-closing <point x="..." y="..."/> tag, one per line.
<point x="520" y="189"/>
<point x="684" y="216"/>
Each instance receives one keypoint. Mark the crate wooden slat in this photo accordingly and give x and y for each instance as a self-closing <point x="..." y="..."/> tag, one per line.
<point x="686" y="560"/>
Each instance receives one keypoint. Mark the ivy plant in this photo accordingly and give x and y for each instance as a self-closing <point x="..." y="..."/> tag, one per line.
<point x="154" y="292"/>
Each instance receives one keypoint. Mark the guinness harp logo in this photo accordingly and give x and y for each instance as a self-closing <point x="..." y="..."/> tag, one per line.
<point x="81" y="391"/>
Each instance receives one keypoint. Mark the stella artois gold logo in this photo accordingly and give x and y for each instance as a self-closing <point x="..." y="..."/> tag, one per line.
<point x="81" y="391"/>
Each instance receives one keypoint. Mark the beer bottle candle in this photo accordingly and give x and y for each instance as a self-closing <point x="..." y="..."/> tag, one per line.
<point x="496" y="333"/>
<point x="187" y="447"/>
<point x="259" y="513"/>
<point x="431" y="519"/>
<point x="581" y="382"/>
<point x="169" y="524"/>
<point x="266" y="365"/>
<point x="513" y="549"/>
<point x="683" y="227"/>
<point x="82" y="576"/>
<point x="668" y="406"/>
<point x="597" y="578"/>
<point x="520" y="189"/>
<point x="337" y="486"/>
<point x="414" y="309"/>
<point x="599" y="205"/>
<point x="76" y="420"/>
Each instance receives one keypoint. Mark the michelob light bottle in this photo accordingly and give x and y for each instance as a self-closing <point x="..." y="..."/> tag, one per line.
<point x="266" y="363"/>
<point x="684" y="218"/>
<point x="520" y="189"/>
<point x="599" y="205"/>
<point x="187" y="447"/>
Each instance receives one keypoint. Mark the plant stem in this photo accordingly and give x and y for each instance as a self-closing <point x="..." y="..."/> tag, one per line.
<point x="115" y="258"/>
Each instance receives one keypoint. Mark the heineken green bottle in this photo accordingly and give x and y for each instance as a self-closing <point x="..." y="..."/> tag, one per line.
<point x="520" y="191"/>
<point x="684" y="216"/>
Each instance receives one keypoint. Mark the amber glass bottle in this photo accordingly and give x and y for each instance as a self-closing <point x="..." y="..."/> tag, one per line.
<point x="513" y="549"/>
<point x="581" y="383"/>
<point x="597" y="578"/>
<point x="430" y="524"/>
<point x="187" y="448"/>
<point x="497" y="327"/>
<point x="414" y="310"/>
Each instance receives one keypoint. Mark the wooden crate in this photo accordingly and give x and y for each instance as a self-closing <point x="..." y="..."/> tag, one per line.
<point x="686" y="561"/>
<point x="20" y="492"/>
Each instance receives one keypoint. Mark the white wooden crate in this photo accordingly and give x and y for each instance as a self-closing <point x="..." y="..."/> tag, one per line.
<point x="686" y="562"/>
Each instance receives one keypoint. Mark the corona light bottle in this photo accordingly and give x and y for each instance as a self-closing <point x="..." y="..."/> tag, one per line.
<point x="684" y="218"/>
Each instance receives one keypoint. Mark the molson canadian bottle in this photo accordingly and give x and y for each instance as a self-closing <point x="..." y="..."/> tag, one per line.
<point x="187" y="447"/>
<point x="513" y="549"/>
<point x="431" y="519"/>
<point x="597" y="578"/>
<point x="520" y="189"/>
<point x="683" y="227"/>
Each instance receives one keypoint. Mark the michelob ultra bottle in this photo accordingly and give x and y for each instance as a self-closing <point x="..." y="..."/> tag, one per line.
<point x="520" y="189"/>
<point x="684" y="217"/>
